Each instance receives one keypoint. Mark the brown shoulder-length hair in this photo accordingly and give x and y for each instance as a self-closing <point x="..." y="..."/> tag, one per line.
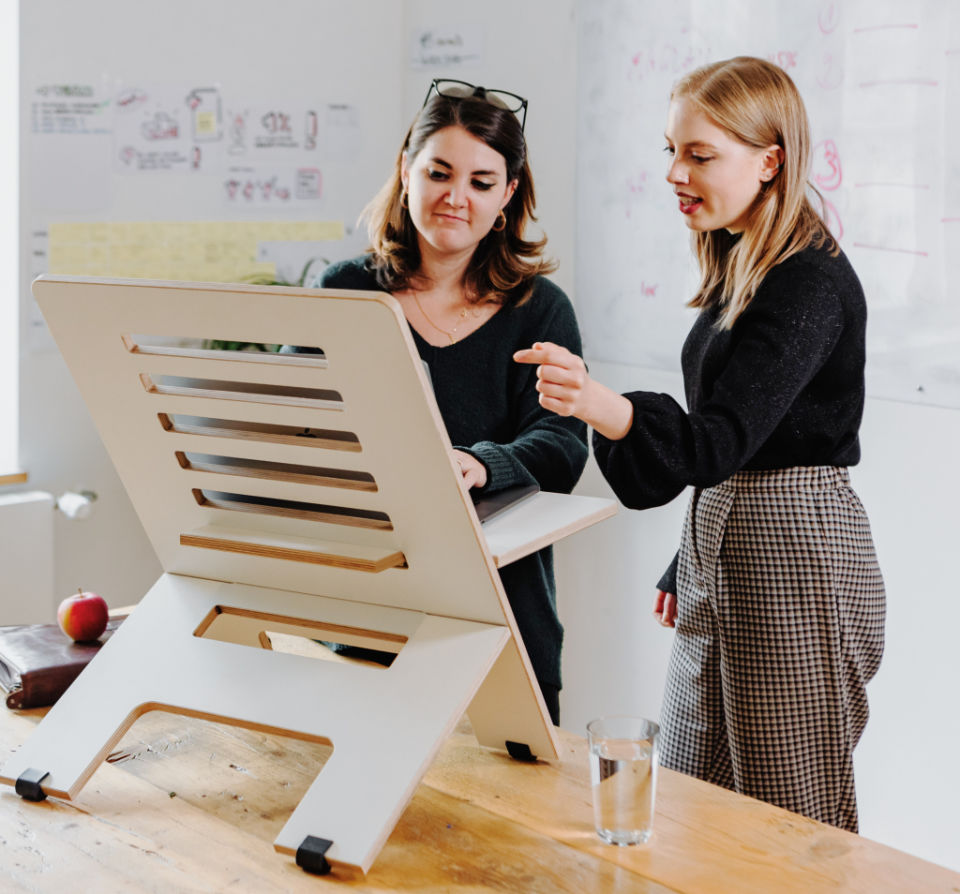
<point x="758" y="104"/>
<point x="504" y="262"/>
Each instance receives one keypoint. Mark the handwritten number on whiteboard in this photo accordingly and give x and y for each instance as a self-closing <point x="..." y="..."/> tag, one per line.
<point x="831" y="72"/>
<point x="826" y="165"/>
<point x="829" y="16"/>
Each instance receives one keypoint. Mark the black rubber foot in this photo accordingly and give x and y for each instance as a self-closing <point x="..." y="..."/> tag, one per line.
<point x="520" y="752"/>
<point x="311" y="855"/>
<point x="28" y="785"/>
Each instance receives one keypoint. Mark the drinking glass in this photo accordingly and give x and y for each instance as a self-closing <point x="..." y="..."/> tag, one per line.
<point x="623" y="773"/>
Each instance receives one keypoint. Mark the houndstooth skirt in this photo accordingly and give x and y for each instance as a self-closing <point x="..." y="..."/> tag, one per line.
<point x="780" y="615"/>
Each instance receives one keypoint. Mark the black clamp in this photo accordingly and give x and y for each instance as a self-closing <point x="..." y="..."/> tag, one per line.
<point x="311" y="855"/>
<point x="520" y="752"/>
<point x="28" y="784"/>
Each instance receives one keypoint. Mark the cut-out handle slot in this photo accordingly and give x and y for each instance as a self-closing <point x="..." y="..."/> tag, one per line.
<point x="301" y="636"/>
<point x="327" y="649"/>
<point x="327" y="439"/>
<point x="252" y="392"/>
<point x="350" y="556"/>
<point x="297" y="474"/>
<point x="317" y="512"/>
<point x="220" y="349"/>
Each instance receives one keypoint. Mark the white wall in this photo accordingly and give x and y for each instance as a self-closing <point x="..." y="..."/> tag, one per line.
<point x="614" y="656"/>
<point x="908" y="774"/>
<point x="9" y="254"/>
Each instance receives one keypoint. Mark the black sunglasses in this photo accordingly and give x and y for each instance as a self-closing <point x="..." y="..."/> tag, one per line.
<point x="453" y="89"/>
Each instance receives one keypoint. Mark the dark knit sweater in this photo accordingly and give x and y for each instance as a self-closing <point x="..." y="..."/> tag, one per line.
<point x="490" y="407"/>
<point x="783" y="387"/>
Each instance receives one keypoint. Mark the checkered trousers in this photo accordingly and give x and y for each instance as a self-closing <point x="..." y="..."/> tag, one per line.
<point x="780" y="613"/>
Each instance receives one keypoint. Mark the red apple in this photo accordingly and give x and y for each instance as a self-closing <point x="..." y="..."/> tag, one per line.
<point x="82" y="616"/>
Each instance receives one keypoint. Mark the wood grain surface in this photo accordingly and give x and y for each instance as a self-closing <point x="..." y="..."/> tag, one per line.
<point x="187" y="805"/>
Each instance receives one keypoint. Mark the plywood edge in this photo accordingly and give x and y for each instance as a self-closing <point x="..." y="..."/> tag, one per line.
<point x="48" y="792"/>
<point x="69" y="793"/>
<point x="357" y="557"/>
<point x="542" y="521"/>
<point x="383" y="298"/>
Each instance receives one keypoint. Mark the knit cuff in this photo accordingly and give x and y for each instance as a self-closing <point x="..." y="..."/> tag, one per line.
<point x="501" y="467"/>
<point x="668" y="583"/>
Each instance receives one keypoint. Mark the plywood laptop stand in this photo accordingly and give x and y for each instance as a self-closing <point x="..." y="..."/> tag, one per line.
<point x="312" y="495"/>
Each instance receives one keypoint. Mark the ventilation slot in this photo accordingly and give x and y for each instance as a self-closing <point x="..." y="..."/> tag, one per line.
<point x="252" y="392"/>
<point x="316" y="512"/>
<point x="257" y="431"/>
<point x="219" y="349"/>
<point x="297" y="474"/>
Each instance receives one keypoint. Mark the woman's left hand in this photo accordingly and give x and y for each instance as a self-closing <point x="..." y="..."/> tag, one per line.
<point x="665" y="609"/>
<point x="474" y="472"/>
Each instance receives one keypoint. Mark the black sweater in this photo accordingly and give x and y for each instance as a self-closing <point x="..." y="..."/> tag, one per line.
<point x="783" y="387"/>
<point x="490" y="407"/>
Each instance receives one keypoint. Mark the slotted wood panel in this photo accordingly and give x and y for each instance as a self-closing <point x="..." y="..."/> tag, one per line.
<point x="406" y="559"/>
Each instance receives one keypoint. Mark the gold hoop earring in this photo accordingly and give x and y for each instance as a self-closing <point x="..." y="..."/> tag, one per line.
<point x="404" y="201"/>
<point x="502" y="220"/>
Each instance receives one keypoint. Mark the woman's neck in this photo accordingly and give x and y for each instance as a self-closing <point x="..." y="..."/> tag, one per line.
<point x="441" y="272"/>
<point x="437" y="302"/>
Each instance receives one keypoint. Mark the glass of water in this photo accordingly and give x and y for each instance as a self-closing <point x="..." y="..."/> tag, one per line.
<point x="623" y="773"/>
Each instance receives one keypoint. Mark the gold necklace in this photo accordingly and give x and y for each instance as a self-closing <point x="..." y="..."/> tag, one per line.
<point x="449" y="333"/>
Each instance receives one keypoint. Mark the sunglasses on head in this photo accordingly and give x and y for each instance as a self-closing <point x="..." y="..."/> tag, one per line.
<point x="503" y="99"/>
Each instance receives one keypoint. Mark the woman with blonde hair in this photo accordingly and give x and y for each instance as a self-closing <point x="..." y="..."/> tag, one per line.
<point x="448" y="241"/>
<point x="775" y="593"/>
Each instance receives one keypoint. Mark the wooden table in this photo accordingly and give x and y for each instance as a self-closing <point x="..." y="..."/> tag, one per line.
<point x="184" y="805"/>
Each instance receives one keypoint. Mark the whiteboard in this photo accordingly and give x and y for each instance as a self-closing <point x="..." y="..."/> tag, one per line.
<point x="880" y="80"/>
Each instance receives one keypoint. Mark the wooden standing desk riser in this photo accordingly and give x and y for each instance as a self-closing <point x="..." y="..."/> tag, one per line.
<point x="244" y="470"/>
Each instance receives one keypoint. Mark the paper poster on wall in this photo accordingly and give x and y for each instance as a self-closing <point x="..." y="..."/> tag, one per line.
<point x="199" y="251"/>
<point x="205" y="114"/>
<point x="269" y="186"/>
<point x="166" y="129"/>
<point x="445" y="47"/>
<point x="73" y="108"/>
<point x="273" y="131"/>
<point x="67" y="161"/>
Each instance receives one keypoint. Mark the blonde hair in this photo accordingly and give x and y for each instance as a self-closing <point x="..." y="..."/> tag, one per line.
<point x="758" y="104"/>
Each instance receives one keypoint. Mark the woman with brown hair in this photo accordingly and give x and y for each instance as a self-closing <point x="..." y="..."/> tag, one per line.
<point x="448" y="241"/>
<point x="776" y="595"/>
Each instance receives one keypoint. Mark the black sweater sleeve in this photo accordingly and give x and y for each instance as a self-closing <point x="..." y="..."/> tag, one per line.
<point x="772" y="353"/>
<point x="668" y="580"/>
